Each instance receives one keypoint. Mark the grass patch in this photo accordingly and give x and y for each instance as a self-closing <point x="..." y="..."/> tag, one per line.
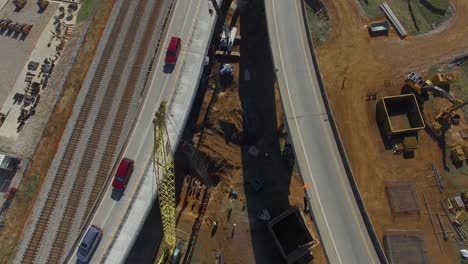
<point x="319" y="28"/>
<point x="86" y="9"/>
<point x="417" y="16"/>
<point x="371" y="8"/>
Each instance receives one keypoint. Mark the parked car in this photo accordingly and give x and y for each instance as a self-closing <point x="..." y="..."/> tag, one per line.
<point x="123" y="174"/>
<point x="173" y="50"/>
<point x="89" y="244"/>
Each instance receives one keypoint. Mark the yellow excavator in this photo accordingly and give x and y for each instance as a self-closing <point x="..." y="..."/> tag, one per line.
<point x="164" y="171"/>
<point x="445" y="118"/>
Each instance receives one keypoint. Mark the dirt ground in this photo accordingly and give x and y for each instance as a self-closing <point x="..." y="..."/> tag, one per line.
<point x="31" y="184"/>
<point x="245" y="112"/>
<point x="353" y="64"/>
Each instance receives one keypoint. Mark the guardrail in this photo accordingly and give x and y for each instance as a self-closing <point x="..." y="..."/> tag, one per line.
<point x="365" y="216"/>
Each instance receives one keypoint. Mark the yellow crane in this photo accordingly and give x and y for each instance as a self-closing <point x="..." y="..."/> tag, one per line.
<point x="164" y="170"/>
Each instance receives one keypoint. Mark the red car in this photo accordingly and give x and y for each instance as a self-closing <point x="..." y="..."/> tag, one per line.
<point x="172" y="51"/>
<point x="123" y="174"/>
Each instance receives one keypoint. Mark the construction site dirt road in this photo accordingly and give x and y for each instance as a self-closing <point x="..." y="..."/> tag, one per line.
<point x="353" y="64"/>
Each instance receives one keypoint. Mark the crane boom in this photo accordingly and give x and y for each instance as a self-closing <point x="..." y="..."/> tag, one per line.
<point x="164" y="170"/>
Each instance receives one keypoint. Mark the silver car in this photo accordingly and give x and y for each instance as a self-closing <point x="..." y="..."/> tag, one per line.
<point x="89" y="244"/>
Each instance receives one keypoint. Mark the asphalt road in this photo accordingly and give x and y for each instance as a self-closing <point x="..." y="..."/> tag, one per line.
<point x="162" y="86"/>
<point x="340" y="224"/>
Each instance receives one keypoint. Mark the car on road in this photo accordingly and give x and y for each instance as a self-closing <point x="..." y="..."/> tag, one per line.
<point x="173" y="51"/>
<point x="89" y="244"/>
<point x="123" y="174"/>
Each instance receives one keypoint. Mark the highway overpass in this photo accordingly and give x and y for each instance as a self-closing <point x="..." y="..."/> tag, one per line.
<point x="342" y="229"/>
<point x="346" y="233"/>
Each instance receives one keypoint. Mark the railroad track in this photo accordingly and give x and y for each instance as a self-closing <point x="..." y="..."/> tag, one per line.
<point x="131" y="85"/>
<point x="95" y="140"/>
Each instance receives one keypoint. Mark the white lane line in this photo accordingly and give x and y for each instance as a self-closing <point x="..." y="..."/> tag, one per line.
<point x="330" y="143"/>
<point x="139" y="116"/>
<point x="299" y="134"/>
<point x="109" y="189"/>
<point x="173" y="76"/>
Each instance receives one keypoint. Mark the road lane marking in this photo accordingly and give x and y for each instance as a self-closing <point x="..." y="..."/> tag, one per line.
<point x="168" y="77"/>
<point x="330" y="143"/>
<point x="299" y="134"/>
<point x="93" y="219"/>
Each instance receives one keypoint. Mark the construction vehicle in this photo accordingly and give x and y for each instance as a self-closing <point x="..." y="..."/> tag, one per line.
<point x="20" y="3"/>
<point x="27" y="29"/>
<point x="457" y="155"/>
<point x="227" y="38"/>
<point x="421" y="87"/>
<point x="164" y="170"/>
<point x="43" y="4"/>
<point x="443" y="80"/>
<point x="445" y="118"/>
<point x="12" y="26"/>
<point x="5" y="23"/>
<point x="400" y="119"/>
<point x="19" y="28"/>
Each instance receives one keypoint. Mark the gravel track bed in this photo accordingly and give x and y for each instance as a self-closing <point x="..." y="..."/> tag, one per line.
<point x="80" y="215"/>
<point x="77" y="159"/>
<point x="46" y="188"/>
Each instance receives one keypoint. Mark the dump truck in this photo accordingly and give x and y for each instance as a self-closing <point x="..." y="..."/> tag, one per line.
<point x="400" y="120"/>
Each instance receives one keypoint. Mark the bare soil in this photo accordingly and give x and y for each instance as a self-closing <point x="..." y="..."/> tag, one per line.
<point x="34" y="176"/>
<point x="353" y="64"/>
